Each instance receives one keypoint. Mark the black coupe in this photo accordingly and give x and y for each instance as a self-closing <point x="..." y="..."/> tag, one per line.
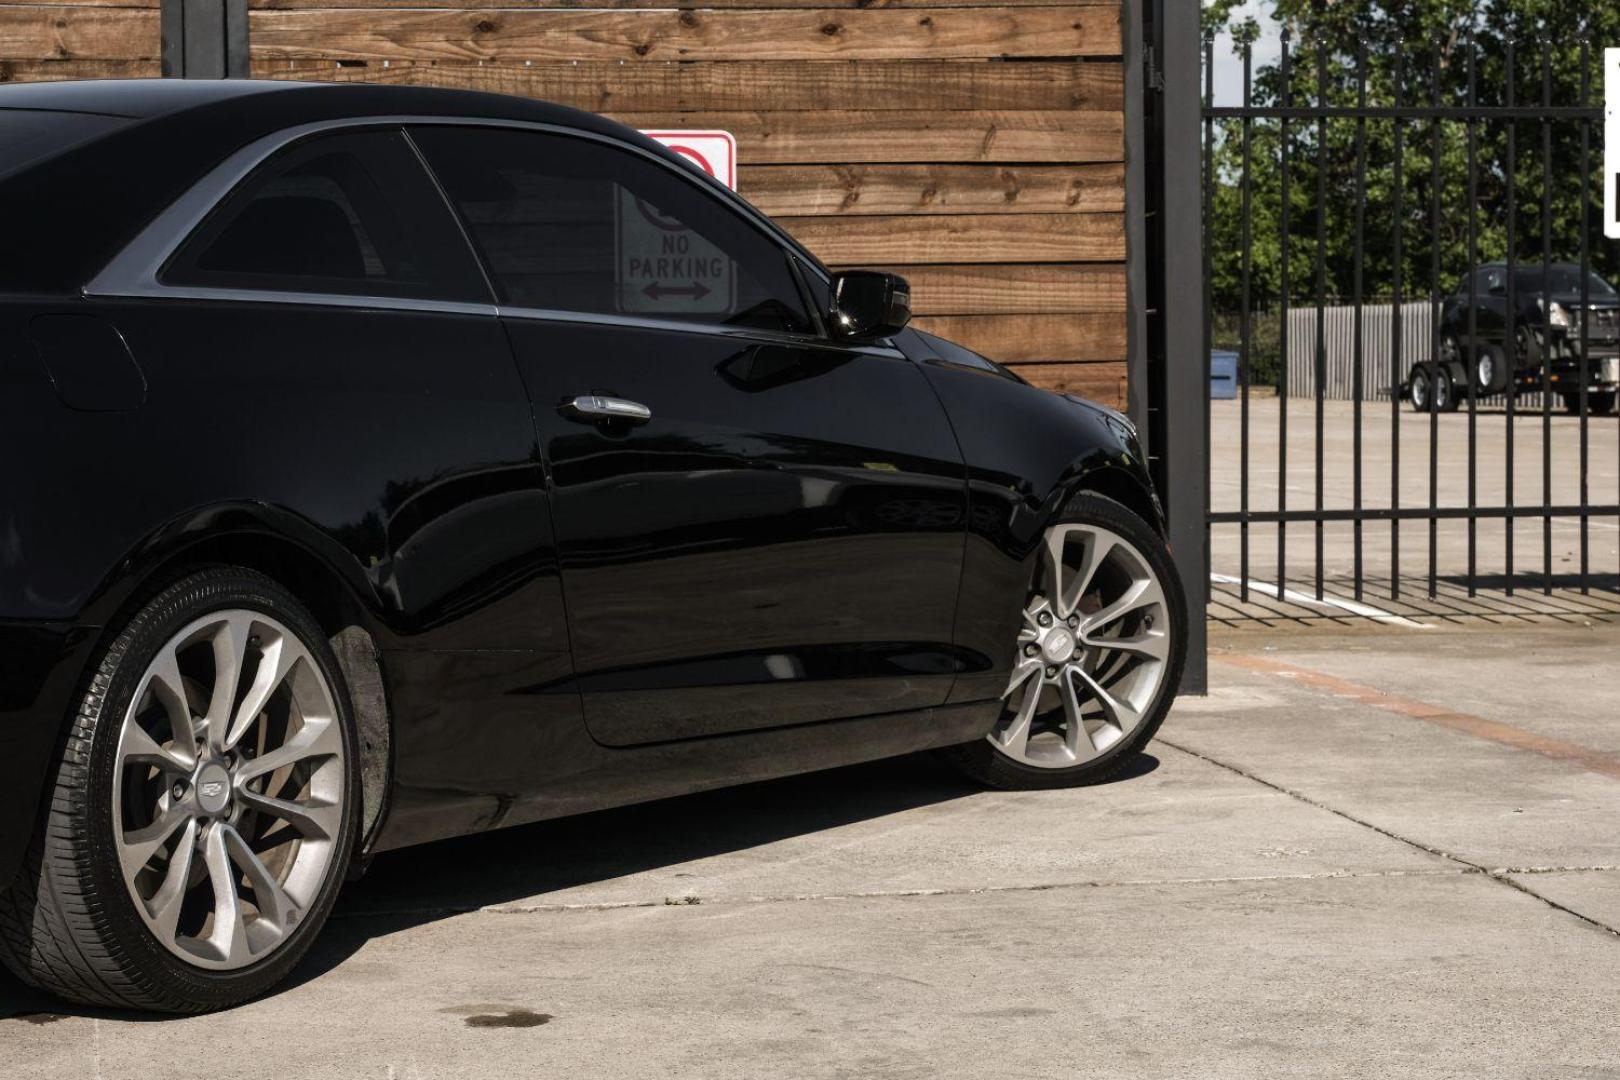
<point x="385" y="464"/>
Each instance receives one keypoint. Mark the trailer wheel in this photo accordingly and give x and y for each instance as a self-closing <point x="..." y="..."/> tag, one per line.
<point x="1426" y="377"/>
<point x="1598" y="403"/>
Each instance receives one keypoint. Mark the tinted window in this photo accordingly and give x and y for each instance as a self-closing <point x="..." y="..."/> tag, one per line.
<point x="351" y="213"/>
<point x="575" y="225"/>
<point x="30" y="135"/>
<point x="1562" y="281"/>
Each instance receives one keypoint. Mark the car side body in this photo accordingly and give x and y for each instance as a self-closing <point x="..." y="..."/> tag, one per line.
<point x="813" y="554"/>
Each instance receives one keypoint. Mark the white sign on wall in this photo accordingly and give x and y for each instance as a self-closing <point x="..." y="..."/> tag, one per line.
<point x="1611" y="146"/>
<point x="665" y="268"/>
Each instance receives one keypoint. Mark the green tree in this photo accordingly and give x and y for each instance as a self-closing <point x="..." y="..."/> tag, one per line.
<point x="1418" y="52"/>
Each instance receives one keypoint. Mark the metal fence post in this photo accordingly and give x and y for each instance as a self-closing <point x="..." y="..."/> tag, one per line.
<point x="205" y="39"/>
<point x="1181" y="429"/>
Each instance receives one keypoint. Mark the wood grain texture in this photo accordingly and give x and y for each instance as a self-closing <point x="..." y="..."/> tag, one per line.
<point x="524" y="34"/>
<point x="976" y="238"/>
<point x="1034" y="338"/>
<point x="26" y="71"/>
<point x="1035" y="289"/>
<point x="1101" y="382"/>
<point x="636" y="5"/>
<point x="849" y="190"/>
<point x="916" y="136"/>
<point x="740" y="85"/>
<point x="67" y="32"/>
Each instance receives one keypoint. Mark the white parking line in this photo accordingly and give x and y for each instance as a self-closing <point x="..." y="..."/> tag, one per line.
<point x="1353" y="607"/>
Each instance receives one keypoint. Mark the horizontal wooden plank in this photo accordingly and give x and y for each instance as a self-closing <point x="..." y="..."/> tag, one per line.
<point x="524" y="34"/>
<point x="1010" y="289"/>
<point x="25" y="71"/>
<point x="846" y="190"/>
<point x="1104" y="382"/>
<point x="1044" y="338"/>
<point x="971" y="238"/>
<point x="633" y="5"/>
<point x="61" y="32"/>
<point x="861" y="85"/>
<point x="773" y="138"/>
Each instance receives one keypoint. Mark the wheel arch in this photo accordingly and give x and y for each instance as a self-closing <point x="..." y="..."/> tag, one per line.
<point x="318" y="572"/>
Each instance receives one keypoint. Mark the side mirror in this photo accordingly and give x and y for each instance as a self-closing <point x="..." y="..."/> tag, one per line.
<point x="869" y="304"/>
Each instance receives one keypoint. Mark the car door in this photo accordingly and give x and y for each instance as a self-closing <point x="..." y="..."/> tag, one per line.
<point x="758" y="526"/>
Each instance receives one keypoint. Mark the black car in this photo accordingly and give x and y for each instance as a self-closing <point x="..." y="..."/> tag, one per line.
<point x="387" y="464"/>
<point x="1553" y="314"/>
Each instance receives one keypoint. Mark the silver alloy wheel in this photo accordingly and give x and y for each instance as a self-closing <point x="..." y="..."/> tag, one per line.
<point x="228" y="789"/>
<point x="1485" y="371"/>
<point x="1092" y="653"/>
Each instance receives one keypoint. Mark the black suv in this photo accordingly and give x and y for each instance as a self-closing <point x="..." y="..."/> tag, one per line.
<point x="1548" y="308"/>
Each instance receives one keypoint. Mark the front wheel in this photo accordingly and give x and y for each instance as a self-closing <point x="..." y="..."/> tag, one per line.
<point x="1098" y="657"/>
<point x="203" y="810"/>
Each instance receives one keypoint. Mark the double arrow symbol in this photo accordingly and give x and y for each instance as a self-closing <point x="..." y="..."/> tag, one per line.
<point x="697" y="290"/>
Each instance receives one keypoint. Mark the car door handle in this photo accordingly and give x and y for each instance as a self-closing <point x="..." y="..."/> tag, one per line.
<point x="597" y="407"/>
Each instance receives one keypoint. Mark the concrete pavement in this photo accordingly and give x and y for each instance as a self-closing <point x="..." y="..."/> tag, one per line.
<point x="1302" y="880"/>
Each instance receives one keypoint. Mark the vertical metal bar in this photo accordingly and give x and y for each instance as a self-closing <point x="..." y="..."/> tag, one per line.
<point x="1358" y="376"/>
<point x="1585" y="209"/>
<point x="1321" y="286"/>
<point x="1471" y="354"/>
<point x="1184" y="437"/>
<point x="1398" y="269"/>
<point x="1245" y="343"/>
<point x="1442" y="375"/>
<point x="1138" y="207"/>
<point x="1282" y="370"/>
<point x="1510" y="336"/>
<point x="1546" y="317"/>
<point x="1208" y="261"/>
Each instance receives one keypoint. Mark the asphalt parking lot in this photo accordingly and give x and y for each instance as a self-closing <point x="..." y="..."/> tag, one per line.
<point x="1383" y="853"/>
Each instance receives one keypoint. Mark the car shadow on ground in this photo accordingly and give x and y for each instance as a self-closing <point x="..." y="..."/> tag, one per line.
<point x="418" y="885"/>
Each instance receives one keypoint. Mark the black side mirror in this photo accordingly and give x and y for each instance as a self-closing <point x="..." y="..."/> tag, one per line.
<point x="869" y="304"/>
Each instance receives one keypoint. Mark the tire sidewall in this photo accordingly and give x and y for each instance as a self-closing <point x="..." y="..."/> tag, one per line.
<point x="109" y="698"/>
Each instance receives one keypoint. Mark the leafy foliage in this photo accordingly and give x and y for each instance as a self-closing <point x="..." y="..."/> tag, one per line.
<point x="1419" y="236"/>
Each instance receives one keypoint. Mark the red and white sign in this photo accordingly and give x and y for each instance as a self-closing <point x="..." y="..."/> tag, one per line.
<point x="663" y="267"/>
<point x="715" y="152"/>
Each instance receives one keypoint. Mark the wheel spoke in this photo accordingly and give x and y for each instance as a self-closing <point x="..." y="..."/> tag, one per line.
<point x="1097" y="548"/>
<point x="139" y="846"/>
<point x="136" y="747"/>
<point x="278" y="655"/>
<point x="229" y="937"/>
<point x="165" y="905"/>
<point x="1154" y="644"/>
<point x="230" y="643"/>
<point x="1015" y="740"/>
<point x="1025" y="668"/>
<point x="169" y="689"/>
<point x="1075" y="736"/>
<point x="272" y="901"/>
<point x="1121" y="713"/>
<point x="318" y="738"/>
<point x="313" y="820"/>
<point x="1142" y="592"/>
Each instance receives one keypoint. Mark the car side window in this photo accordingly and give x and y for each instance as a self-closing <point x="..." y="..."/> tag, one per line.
<point x="572" y="224"/>
<point x="352" y="213"/>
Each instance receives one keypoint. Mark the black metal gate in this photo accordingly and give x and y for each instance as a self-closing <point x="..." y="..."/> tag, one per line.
<point x="1363" y="190"/>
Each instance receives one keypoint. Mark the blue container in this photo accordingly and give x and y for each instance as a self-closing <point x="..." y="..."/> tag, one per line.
<point x="1223" y="375"/>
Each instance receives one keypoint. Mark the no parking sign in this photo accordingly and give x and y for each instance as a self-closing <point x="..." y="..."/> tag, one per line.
<point x="663" y="266"/>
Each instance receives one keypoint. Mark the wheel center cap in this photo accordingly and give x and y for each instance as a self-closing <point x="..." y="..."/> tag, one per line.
<point x="213" y="788"/>
<point x="1058" y="647"/>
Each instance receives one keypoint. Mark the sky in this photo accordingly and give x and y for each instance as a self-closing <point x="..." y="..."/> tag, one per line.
<point x="1229" y="65"/>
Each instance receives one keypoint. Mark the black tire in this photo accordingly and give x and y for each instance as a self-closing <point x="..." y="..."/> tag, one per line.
<point x="984" y="763"/>
<point x="1418" y="389"/>
<point x="68" y="924"/>
<point x="1446" y="390"/>
<point x="1598" y="403"/>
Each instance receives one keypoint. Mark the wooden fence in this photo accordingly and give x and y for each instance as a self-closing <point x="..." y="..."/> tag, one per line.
<point x="975" y="149"/>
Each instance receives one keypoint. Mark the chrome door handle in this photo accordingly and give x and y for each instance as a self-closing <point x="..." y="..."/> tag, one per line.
<point x="596" y="407"/>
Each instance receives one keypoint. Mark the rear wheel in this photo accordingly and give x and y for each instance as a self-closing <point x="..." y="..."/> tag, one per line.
<point x="1598" y="403"/>
<point x="203" y="811"/>
<point x="1426" y="381"/>
<point x="1098" y="658"/>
